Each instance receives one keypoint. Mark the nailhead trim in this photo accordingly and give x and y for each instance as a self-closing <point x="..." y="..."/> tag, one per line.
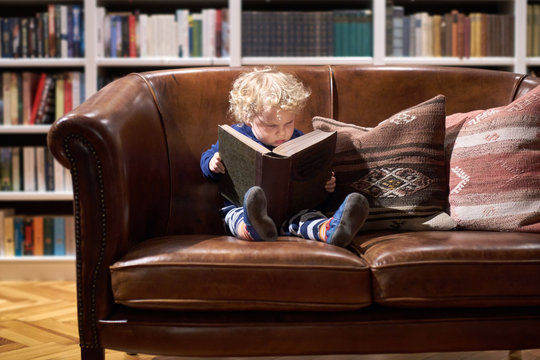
<point x="103" y="240"/>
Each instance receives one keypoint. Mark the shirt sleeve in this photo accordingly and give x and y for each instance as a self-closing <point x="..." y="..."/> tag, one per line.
<point x="205" y="161"/>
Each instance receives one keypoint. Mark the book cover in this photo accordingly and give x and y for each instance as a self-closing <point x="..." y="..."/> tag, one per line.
<point x="9" y="243"/>
<point x="47" y="105"/>
<point x="37" y="97"/>
<point x="70" y="235"/>
<point x="16" y="95"/>
<point x="6" y="178"/>
<point x="51" y="30"/>
<point x="29" y="84"/>
<point x="59" y="232"/>
<point x="293" y="175"/>
<point x="16" y="164"/>
<point x="28" y="242"/>
<point x="29" y="168"/>
<point x="4" y="214"/>
<point x="18" y="235"/>
<point x="48" y="235"/>
<point x="40" y="168"/>
<point x="38" y="235"/>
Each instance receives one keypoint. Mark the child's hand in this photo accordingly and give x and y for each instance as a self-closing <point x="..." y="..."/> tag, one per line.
<point x="330" y="185"/>
<point x="215" y="165"/>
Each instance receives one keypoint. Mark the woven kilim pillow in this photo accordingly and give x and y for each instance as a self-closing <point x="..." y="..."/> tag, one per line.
<point x="494" y="159"/>
<point x="398" y="165"/>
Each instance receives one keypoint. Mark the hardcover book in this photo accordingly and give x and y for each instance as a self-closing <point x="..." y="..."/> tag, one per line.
<point x="293" y="175"/>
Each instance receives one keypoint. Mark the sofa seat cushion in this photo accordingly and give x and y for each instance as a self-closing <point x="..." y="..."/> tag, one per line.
<point x="453" y="269"/>
<point x="208" y="272"/>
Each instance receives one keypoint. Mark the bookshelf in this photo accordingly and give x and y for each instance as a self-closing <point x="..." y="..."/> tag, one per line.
<point x="95" y="65"/>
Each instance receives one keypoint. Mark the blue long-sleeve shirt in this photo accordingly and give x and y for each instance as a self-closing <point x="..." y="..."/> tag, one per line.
<point x="244" y="129"/>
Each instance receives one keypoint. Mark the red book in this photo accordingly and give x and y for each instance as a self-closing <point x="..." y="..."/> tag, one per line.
<point x="37" y="98"/>
<point x="132" y="36"/>
<point x="52" y="30"/>
<point x="68" y="93"/>
<point x="28" y="247"/>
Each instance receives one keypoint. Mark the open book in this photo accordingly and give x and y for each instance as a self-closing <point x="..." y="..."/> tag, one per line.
<point x="293" y="175"/>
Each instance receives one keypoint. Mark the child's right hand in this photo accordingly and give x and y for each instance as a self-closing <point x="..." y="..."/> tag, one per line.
<point x="215" y="165"/>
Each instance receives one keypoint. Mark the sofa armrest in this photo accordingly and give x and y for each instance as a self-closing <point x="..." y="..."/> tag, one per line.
<point x="115" y="148"/>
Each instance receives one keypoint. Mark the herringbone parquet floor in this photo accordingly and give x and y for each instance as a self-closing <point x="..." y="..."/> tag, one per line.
<point x="38" y="321"/>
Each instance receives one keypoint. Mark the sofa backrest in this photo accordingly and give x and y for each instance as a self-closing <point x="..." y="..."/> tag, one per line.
<point x="192" y="102"/>
<point x="368" y="95"/>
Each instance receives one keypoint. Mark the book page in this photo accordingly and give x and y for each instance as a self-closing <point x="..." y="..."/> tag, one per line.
<point x="246" y="140"/>
<point x="303" y="142"/>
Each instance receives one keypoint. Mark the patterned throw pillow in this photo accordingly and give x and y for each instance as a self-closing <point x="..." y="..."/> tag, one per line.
<point x="399" y="166"/>
<point x="494" y="159"/>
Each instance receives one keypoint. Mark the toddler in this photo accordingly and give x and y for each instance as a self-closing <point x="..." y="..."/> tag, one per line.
<point x="265" y="103"/>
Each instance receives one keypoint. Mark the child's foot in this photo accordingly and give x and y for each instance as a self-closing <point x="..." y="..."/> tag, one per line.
<point x="347" y="220"/>
<point x="259" y="225"/>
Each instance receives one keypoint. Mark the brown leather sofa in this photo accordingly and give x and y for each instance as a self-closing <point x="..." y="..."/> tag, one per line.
<point x="156" y="274"/>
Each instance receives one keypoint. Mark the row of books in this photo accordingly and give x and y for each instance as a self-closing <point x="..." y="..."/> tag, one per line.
<point x="29" y="98"/>
<point x="450" y="34"/>
<point x="36" y="235"/>
<point x="32" y="168"/>
<point x="182" y="34"/>
<point x="57" y="32"/>
<point x="307" y="33"/>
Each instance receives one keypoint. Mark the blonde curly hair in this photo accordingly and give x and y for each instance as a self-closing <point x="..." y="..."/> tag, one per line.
<point x="262" y="89"/>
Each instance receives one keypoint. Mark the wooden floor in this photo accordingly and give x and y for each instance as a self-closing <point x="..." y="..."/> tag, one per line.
<point x="38" y="321"/>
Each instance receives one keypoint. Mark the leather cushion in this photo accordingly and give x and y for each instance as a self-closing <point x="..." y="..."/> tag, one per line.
<point x="206" y="272"/>
<point x="453" y="269"/>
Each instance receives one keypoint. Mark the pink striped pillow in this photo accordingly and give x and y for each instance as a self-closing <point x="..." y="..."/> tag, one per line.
<point x="494" y="158"/>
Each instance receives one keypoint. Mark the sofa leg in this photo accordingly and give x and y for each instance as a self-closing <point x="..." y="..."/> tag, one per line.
<point x="92" y="354"/>
<point x="514" y="355"/>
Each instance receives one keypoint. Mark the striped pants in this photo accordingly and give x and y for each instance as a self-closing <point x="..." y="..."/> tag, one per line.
<point x="305" y="224"/>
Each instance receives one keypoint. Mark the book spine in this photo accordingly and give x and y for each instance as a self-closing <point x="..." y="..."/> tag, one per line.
<point x="9" y="243"/>
<point x="276" y="187"/>
<point x="48" y="236"/>
<point x="38" y="235"/>
<point x="59" y="231"/>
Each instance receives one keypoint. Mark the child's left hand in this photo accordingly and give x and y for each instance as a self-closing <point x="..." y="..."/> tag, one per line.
<point x="330" y="185"/>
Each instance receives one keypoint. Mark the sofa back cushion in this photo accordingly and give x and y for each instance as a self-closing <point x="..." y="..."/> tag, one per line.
<point x="366" y="95"/>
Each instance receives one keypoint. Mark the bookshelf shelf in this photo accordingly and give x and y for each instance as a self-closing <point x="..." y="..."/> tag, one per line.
<point x="533" y="61"/>
<point x="452" y="61"/>
<point x="37" y="268"/>
<point x="24" y="129"/>
<point x="306" y="60"/>
<point x="36" y="196"/>
<point x="42" y="63"/>
<point x="155" y="61"/>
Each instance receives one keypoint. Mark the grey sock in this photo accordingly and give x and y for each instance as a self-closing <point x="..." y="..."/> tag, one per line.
<point x="256" y="217"/>
<point x="352" y="215"/>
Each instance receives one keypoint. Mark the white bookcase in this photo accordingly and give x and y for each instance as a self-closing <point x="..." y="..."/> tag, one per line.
<point x="92" y="66"/>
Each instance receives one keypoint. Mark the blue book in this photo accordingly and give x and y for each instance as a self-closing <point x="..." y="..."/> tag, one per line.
<point x="18" y="235"/>
<point x="76" y="30"/>
<point x="59" y="231"/>
<point x="114" y="35"/>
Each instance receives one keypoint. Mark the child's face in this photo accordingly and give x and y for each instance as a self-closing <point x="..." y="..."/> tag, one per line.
<point x="273" y="127"/>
